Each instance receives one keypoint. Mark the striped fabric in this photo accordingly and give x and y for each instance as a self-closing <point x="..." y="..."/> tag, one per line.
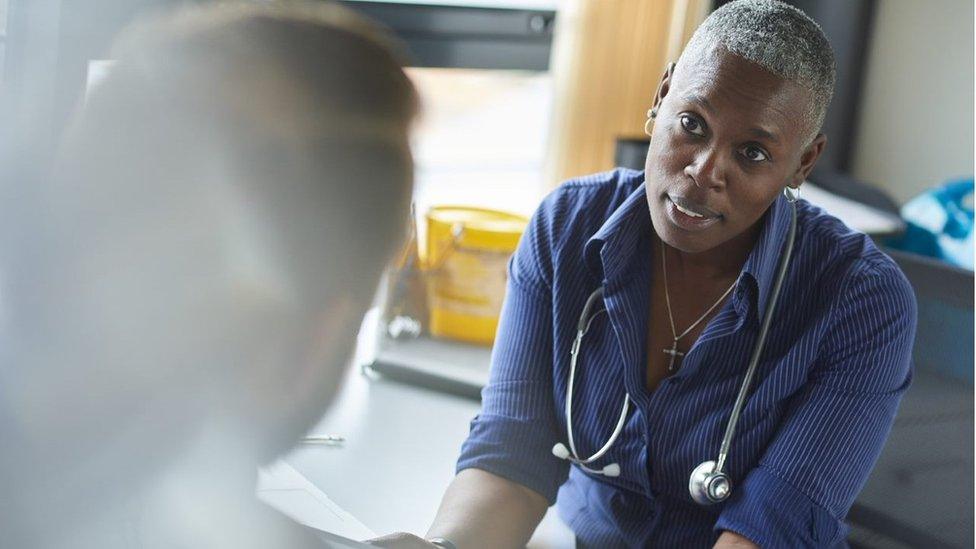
<point x="836" y="363"/>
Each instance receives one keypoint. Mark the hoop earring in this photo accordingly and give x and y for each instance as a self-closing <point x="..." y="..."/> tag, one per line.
<point x="649" y="124"/>
<point x="791" y="194"/>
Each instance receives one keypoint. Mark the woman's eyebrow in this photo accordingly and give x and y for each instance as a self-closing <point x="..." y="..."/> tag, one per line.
<point x="700" y="101"/>
<point x="760" y="133"/>
<point x="756" y="132"/>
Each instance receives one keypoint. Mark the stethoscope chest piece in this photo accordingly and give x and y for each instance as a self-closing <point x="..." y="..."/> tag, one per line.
<point x="709" y="486"/>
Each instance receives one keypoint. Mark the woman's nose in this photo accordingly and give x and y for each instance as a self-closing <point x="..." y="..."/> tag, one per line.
<point x="707" y="169"/>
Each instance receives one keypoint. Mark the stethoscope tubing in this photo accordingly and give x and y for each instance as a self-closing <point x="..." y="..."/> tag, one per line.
<point x="740" y="399"/>
<point x="574" y="356"/>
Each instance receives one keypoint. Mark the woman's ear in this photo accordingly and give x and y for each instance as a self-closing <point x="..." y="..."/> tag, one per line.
<point x="663" y="86"/>
<point x="807" y="160"/>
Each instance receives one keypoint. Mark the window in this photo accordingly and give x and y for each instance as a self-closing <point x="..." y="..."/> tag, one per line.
<point x="481" y="67"/>
<point x="482" y="138"/>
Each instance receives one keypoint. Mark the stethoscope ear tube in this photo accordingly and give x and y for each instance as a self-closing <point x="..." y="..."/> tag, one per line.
<point x="560" y="450"/>
<point x="584" y="322"/>
<point x="708" y="483"/>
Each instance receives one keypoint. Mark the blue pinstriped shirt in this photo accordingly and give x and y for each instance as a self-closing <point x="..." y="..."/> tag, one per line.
<point x="836" y="363"/>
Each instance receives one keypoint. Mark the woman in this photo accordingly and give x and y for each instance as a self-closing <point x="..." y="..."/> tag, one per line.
<point x="687" y="255"/>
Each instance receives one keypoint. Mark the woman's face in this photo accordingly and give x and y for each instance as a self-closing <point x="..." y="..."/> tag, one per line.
<point x="728" y="137"/>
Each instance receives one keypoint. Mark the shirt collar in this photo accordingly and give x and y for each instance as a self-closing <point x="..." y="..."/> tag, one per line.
<point x="763" y="261"/>
<point x="609" y="252"/>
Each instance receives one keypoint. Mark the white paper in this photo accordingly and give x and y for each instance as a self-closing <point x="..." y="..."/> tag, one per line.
<point x="282" y="487"/>
<point x="855" y="215"/>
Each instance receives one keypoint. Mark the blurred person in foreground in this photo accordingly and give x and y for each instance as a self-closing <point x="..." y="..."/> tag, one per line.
<point x="183" y="292"/>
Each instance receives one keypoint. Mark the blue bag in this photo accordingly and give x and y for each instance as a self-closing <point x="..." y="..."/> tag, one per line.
<point x="940" y="224"/>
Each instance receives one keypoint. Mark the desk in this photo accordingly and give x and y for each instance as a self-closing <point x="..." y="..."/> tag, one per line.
<point x="398" y="458"/>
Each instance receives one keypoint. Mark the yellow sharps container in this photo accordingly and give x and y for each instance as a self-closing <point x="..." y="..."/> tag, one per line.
<point x="466" y="263"/>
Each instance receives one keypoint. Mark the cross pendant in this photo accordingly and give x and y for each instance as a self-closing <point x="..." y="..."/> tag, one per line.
<point x="675" y="353"/>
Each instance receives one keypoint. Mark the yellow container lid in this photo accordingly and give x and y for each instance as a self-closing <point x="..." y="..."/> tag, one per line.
<point x="480" y="228"/>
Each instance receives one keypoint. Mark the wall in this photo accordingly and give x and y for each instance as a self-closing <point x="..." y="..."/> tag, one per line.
<point x="916" y="119"/>
<point x="3" y="34"/>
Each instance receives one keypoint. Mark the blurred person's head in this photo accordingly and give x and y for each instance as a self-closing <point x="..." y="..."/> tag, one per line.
<point x="215" y="228"/>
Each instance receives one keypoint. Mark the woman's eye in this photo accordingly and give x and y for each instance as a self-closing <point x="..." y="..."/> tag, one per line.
<point x="692" y="125"/>
<point x="755" y="154"/>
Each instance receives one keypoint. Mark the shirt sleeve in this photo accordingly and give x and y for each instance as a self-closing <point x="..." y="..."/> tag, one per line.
<point x="516" y="429"/>
<point x="837" y="424"/>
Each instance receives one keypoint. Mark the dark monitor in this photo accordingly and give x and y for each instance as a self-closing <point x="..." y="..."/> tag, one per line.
<point x="944" y="340"/>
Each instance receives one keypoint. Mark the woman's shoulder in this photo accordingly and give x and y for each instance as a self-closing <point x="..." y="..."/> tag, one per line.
<point x="868" y="311"/>
<point x="622" y="179"/>
<point x="591" y="199"/>
<point x="570" y="215"/>
<point x="843" y="254"/>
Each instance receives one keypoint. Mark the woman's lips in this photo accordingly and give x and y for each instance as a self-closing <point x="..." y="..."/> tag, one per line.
<point x="686" y="221"/>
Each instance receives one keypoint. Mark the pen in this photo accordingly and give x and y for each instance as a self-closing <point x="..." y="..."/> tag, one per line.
<point x="330" y="440"/>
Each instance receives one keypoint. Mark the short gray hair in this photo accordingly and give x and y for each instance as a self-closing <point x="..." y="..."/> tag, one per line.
<point x="779" y="38"/>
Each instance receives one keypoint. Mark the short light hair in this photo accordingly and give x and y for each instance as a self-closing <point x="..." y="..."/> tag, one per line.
<point x="779" y="38"/>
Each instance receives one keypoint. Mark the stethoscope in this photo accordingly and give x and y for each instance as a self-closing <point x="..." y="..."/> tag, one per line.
<point x="708" y="483"/>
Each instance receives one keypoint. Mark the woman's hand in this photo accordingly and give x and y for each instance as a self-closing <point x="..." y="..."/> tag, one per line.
<point x="731" y="540"/>
<point x="401" y="540"/>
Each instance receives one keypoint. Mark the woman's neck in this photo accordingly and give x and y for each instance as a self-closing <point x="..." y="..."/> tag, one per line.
<point x="721" y="263"/>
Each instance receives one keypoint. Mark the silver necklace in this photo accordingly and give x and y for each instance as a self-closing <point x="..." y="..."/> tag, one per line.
<point x="673" y="351"/>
